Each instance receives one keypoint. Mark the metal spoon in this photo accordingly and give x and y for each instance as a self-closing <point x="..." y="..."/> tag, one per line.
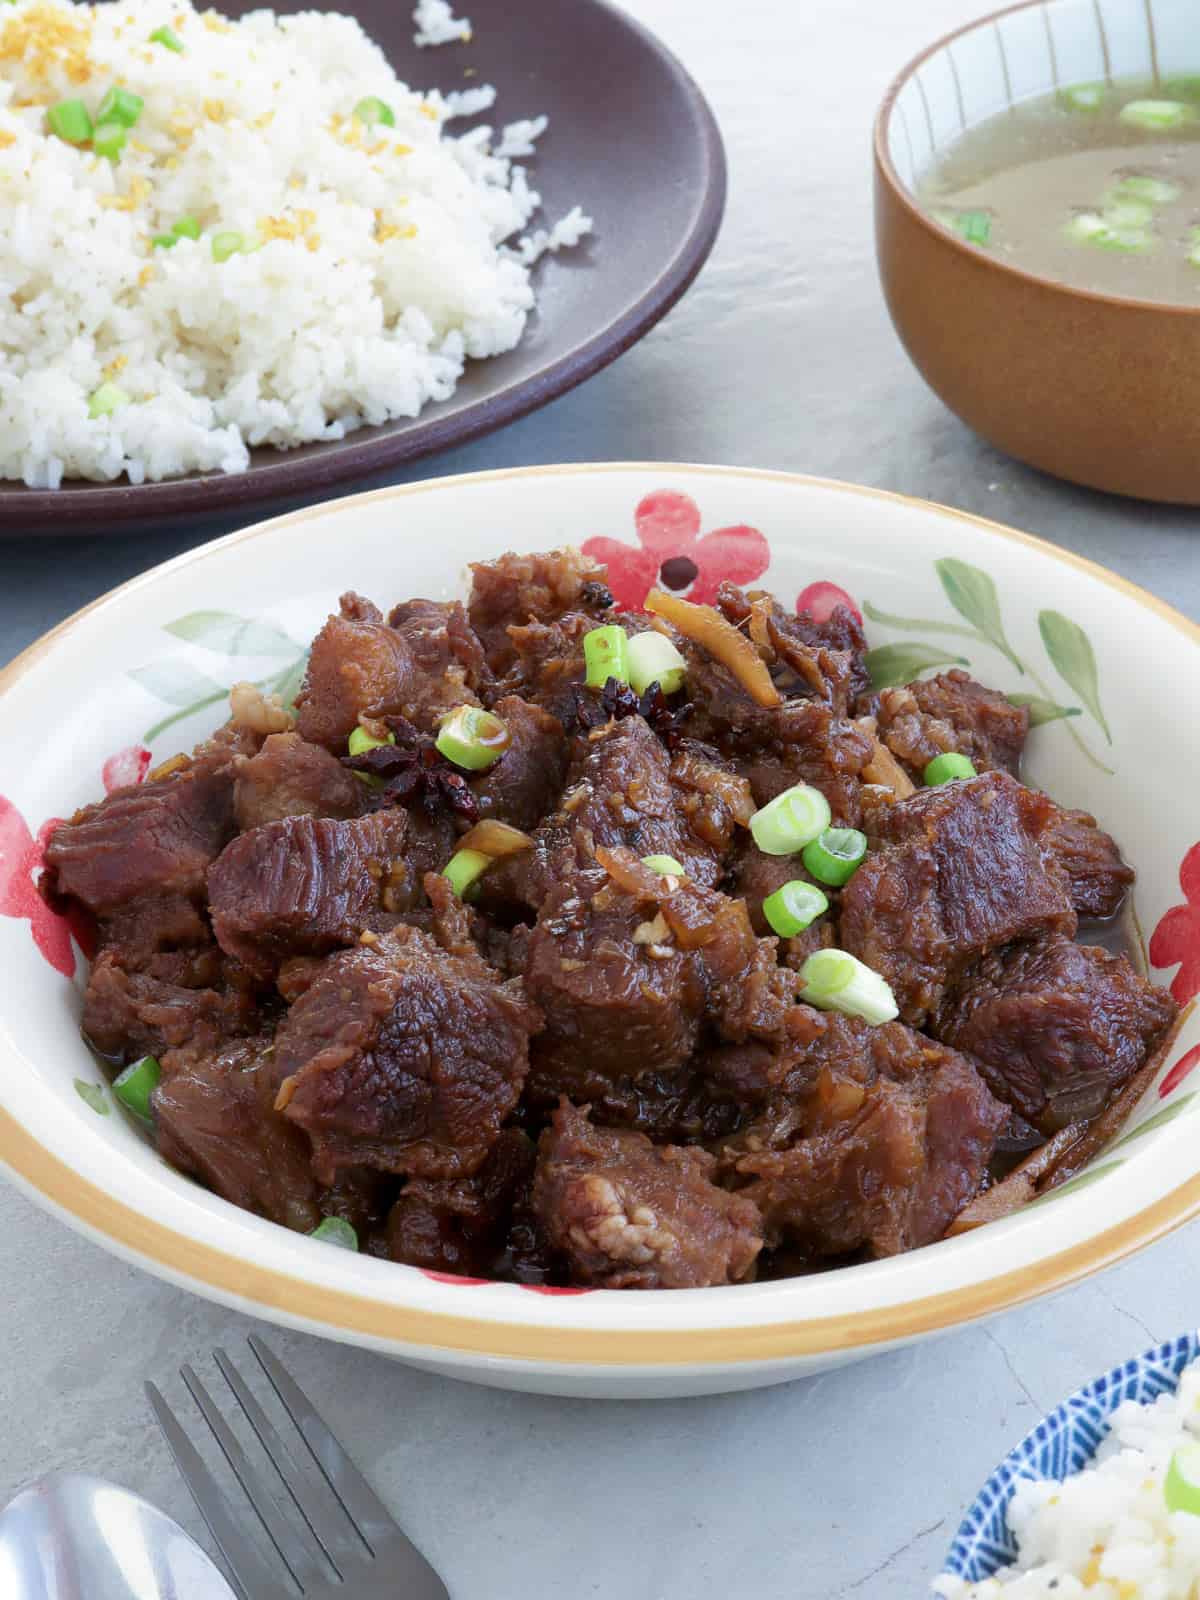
<point x="73" y="1537"/>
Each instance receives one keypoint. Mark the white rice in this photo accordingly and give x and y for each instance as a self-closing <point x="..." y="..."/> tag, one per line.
<point x="384" y="265"/>
<point x="1105" y="1533"/>
<point x="437" y="24"/>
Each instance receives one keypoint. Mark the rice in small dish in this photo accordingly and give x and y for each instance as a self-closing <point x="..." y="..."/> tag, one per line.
<point x="1125" y="1528"/>
<point x="216" y="235"/>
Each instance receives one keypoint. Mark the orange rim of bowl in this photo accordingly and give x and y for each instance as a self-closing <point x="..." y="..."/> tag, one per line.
<point x="350" y="1315"/>
<point x="901" y="191"/>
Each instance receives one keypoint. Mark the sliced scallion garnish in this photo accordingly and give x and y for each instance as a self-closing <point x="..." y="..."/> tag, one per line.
<point x="1156" y="116"/>
<point x="373" y="110"/>
<point x="168" y="38"/>
<point x="335" y="1230"/>
<point x="666" y="865"/>
<point x="120" y="105"/>
<point x="69" y="119"/>
<point x="1181" y="1491"/>
<point x="136" y="1084"/>
<point x="473" y="738"/>
<point x="109" y="397"/>
<point x="948" y="768"/>
<point x="836" y="855"/>
<point x="225" y="245"/>
<point x="652" y="658"/>
<point x="1149" y="190"/>
<point x="1082" y="97"/>
<point x="834" y="980"/>
<point x="787" y="823"/>
<point x="463" y="867"/>
<point x="186" y="228"/>
<point x="109" y="139"/>
<point x="606" y="655"/>
<point x="794" y="907"/>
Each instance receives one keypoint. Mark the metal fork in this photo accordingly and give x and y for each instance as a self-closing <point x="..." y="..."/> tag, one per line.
<point x="357" y="1550"/>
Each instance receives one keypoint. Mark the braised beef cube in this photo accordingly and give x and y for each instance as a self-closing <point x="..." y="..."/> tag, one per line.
<point x="548" y="665"/>
<point x="755" y="876"/>
<point x="679" y="1106"/>
<point x="807" y="659"/>
<point x="880" y="1154"/>
<point x="951" y="712"/>
<point x="715" y="800"/>
<point x="289" y="777"/>
<point x="515" y="590"/>
<point x="151" y="925"/>
<point x="954" y="872"/>
<point x="303" y="885"/>
<point x="129" y="1013"/>
<point x="1055" y="1026"/>
<point x="617" y="998"/>
<point x="460" y="1225"/>
<point x="402" y="1057"/>
<point x="214" y="1120"/>
<point x="151" y="839"/>
<point x="1097" y="875"/>
<point x="526" y="781"/>
<point x="424" y="665"/>
<point x="627" y="1214"/>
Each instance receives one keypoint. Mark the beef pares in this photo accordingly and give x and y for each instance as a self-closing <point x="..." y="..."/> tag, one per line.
<point x="1098" y="878"/>
<point x="882" y="1152"/>
<point x="462" y="1225"/>
<point x="289" y="777"/>
<point x="304" y="885"/>
<point x="951" y="712"/>
<point x="1055" y="1026"/>
<point x="176" y="1000"/>
<point x="954" y="872"/>
<point x="516" y="590"/>
<point x="403" y="1057"/>
<point x="627" y="1214"/>
<point x="527" y="780"/>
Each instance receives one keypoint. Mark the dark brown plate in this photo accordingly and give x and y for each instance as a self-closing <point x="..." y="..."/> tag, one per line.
<point x="631" y="139"/>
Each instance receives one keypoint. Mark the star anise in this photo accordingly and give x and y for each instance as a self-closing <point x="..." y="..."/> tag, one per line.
<point x="596" y="596"/>
<point x="617" y="700"/>
<point x="413" y="772"/>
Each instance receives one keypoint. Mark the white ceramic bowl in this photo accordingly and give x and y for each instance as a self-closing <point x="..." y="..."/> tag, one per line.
<point x="82" y="704"/>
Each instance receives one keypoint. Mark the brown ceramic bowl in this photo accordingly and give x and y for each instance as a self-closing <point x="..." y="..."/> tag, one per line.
<point x="1095" y="388"/>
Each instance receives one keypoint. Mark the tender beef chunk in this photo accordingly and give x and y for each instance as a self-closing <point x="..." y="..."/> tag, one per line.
<point x="548" y="664"/>
<point x="129" y="1013"/>
<point x="303" y="885"/>
<point x="1055" y="1026"/>
<point x="423" y="663"/>
<point x="527" y="780"/>
<point x="1097" y="875"/>
<point x="954" y="872"/>
<point x="754" y="876"/>
<point x="153" y="925"/>
<point x="616" y="1000"/>
<point x="627" y="1214"/>
<point x="152" y="839"/>
<point x="461" y="1225"/>
<point x="402" y="1057"/>
<point x="807" y="659"/>
<point x="880" y="1154"/>
<point x="289" y="777"/>
<point x="952" y="712"/>
<point x="214" y="1119"/>
<point x="680" y="1106"/>
<point x="537" y="588"/>
<point x="714" y="798"/>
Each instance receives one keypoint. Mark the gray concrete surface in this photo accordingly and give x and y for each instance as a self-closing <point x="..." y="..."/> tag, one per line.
<point x="849" y="1485"/>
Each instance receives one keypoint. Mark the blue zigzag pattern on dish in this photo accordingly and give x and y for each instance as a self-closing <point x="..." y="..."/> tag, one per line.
<point x="1062" y="1443"/>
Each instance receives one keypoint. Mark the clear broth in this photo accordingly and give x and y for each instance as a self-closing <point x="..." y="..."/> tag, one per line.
<point x="1046" y="186"/>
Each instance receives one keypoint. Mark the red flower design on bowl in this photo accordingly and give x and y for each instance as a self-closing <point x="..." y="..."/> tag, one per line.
<point x="822" y="599"/>
<point x="21" y="855"/>
<point x="1176" y="939"/>
<point x="672" y="553"/>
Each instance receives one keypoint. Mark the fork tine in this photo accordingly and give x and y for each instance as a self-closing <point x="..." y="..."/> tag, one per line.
<point x="318" y="1508"/>
<point x="249" y="1574"/>
<point x="371" y="1517"/>
<point x="281" y="1534"/>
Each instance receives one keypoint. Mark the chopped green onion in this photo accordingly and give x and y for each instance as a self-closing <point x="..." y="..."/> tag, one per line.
<point x="974" y="226"/>
<point x="109" y="139"/>
<point x="1082" y="97"/>
<point x="654" y="659"/>
<point x="69" y="119"/>
<point x="165" y="241"/>
<point x="373" y="110"/>
<point x="836" y="856"/>
<point x="1129" y="213"/>
<point x="1155" y="115"/>
<point x="606" y="654"/>
<point x="1184" y="88"/>
<point x="791" y="820"/>
<point x="1150" y="191"/>
<point x="136" y="1084"/>
<point x="463" y="867"/>
<point x="666" y="865"/>
<point x="167" y="37"/>
<point x="108" y="398"/>
<point x="120" y="105"/>
<point x="360" y="741"/>
<point x="1089" y="227"/>
<point x="793" y="907"/>
<point x="225" y="245"/>
<point x="1181" y="1490"/>
<point x="335" y="1230"/>
<point x="186" y="228"/>
<point x="948" y="767"/>
<point x="473" y="738"/>
<point x="834" y="980"/>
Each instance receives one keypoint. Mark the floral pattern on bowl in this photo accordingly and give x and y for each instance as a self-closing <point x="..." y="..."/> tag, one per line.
<point x="1063" y="1442"/>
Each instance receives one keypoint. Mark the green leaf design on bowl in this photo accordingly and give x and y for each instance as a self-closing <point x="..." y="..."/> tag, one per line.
<point x="972" y="593"/>
<point x="893" y="664"/>
<point x="1070" y="649"/>
<point x="1042" y="710"/>
<point x="176" y="683"/>
<point x="1090" y="1175"/>
<point x="230" y="635"/>
<point x="1160" y="1118"/>
<point x="92" y="1094"/>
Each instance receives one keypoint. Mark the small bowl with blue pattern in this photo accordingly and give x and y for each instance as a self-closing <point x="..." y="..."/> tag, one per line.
<point x="1064" y="1442"/>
